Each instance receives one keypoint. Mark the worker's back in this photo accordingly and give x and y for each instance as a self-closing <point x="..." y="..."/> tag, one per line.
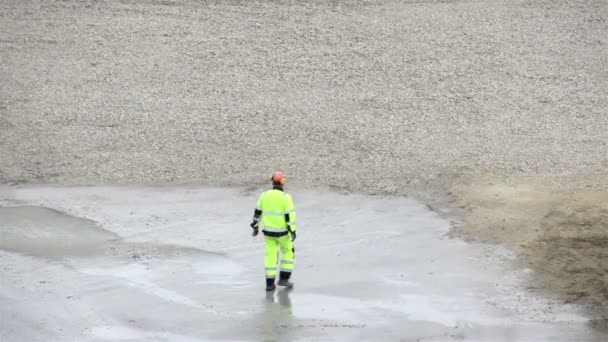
<point x="275" y="204"/>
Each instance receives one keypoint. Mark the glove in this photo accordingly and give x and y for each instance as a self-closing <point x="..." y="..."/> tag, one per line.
<point x="293" y="236"/>
<point x="254" y="225"/>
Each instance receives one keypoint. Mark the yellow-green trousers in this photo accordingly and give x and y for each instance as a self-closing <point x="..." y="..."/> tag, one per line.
<point x="273" y="245"/>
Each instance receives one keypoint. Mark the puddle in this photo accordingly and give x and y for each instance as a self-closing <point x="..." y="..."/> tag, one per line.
<point x="46" y="232"/>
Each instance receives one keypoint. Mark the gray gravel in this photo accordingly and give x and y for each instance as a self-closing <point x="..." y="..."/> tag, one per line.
<point x="369" y="96"/>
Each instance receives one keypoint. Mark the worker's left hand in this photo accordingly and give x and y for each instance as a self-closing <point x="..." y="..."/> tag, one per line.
<point x="255" y="232"/>
<point x="293" y="236"/>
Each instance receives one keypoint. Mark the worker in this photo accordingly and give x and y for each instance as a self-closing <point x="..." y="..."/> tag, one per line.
<point x="276" y="213"/>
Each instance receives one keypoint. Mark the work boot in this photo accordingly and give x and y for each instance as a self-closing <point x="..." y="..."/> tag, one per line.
<point x="284" y="279"/>
<point x="270" y="284"/>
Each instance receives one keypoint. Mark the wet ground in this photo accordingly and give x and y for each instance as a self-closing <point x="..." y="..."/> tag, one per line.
<point x="179" y="264"/>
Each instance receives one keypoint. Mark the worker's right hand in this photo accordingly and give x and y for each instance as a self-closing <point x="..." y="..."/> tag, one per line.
<point x="293" y="236"/>
<point x="255" y="232"/>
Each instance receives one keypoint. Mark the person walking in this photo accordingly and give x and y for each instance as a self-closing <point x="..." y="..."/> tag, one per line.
<point x="275" y="211"/>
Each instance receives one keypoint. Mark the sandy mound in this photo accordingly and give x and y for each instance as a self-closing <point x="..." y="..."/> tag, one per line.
<point x="571" y="253"/>
<point x="563" y="236"/>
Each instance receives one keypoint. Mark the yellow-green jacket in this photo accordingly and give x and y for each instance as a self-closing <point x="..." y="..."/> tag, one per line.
<point x="276" y="212"/>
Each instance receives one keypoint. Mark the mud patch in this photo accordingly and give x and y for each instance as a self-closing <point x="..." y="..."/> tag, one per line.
<point x="571" y="253"/>
<point x="46" y="232"/>
<point x="561" y="235"/>
<point x="501" y="213"/>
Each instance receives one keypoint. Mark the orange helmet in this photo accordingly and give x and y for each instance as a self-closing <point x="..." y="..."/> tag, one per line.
<point x="278" y="178"/>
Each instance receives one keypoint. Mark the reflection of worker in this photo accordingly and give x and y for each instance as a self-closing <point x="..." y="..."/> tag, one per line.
<point x="276" y="212"/>
<point x="277" y="317"/>
<point x="284" y="302"/>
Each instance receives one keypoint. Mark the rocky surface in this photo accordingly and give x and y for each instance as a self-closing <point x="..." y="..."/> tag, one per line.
<point x="437" y="99"/>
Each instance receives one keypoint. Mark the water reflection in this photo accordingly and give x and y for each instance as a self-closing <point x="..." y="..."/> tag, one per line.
<point x="277" y="316"/>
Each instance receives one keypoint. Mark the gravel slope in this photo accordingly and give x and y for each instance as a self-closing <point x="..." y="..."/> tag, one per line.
<point x="159" y="91"/>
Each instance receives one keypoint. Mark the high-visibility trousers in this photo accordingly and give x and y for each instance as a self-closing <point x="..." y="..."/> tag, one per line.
<point x="273" y="245"/>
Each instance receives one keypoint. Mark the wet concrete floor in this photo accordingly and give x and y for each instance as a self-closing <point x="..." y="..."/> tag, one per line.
<point x="179" y="264"/>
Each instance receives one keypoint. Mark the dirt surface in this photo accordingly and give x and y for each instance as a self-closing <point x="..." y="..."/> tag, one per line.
<point x="562" y="235"/>
<point x="492" y="112"/>
<point x="572" y="251"/>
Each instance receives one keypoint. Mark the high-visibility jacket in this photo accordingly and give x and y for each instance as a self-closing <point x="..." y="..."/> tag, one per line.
<point x="278" y="213"/>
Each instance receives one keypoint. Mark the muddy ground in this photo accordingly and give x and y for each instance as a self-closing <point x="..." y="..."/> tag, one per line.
<point x="494" y="113"/>
<point x="561" y="234"/>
